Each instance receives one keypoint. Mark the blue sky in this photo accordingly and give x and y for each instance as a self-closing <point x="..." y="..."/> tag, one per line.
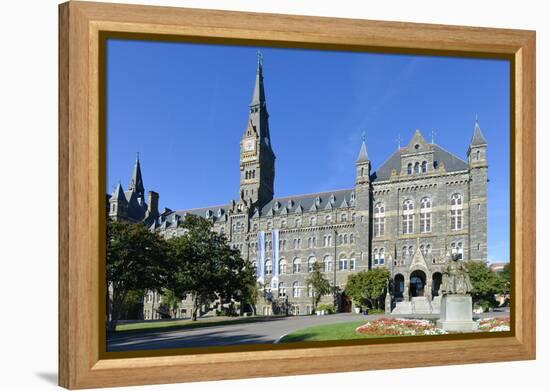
<point x="183" y="107"/>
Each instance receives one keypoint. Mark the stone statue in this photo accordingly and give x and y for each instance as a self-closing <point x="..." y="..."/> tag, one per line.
<point x="455" y="278"/>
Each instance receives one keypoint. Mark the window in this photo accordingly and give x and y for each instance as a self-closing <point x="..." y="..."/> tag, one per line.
<point x="282" y="289"/>
<point x="410" y="252"/>
<point x="426" y="249"/>
<point x="310" y="263"/>
<point x="344" y="217"/>
<point x="375" y="253"/>
<point x="404" y="252"/>
<point x="297" y="265"/>
<point x="456" y="212"/>
<point x="309" y="291"/>
<point x="283" y="223"/>
<point x="312" y="220"/>
<point x="477" y="155"/>
<point x="298" y="222"/>
<point x="311" y="242"/>
<point x="343" y="263"/>
<point x="425" y="215"/>
<point x="352" y="264"/>
<point x="351" y="238"/>
<point x="378" y="256"/>
<point x="416" y="168"/>
<point x="282" y="266"/>
<point x="424" y="166"/>
<point x="409" y="169"/>
<point x="268" y="267"/>
<point x="457" y="248"/>
<point x="379" y="219"/>
<point x="296" y="291"/>
<point x="408" y="217"/>
<point x="269" y="225"/>
<point x="328" y="219"/>
<point x="327" y="263"/>
<point x="327" y="240"/>
<point x="353" y="217"/>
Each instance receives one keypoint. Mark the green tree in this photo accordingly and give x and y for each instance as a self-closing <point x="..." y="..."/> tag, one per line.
<point x="136" y="261"/>
<point x="319" y="284"/>
<point x="169" y="303"/>
<point x="368" y="287"/>
<point x="505" y="277"/>
<point x="206" y="267"/>
<point x="485" y="283"/>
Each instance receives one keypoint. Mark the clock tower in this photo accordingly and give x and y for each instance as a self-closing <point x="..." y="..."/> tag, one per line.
<point x="257" y="160"/>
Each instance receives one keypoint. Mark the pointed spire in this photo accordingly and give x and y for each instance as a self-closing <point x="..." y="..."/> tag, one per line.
<point x="258" y="96"/>
<point x="363" y="155"/>
<point x="118" y="193"/>
<point x="136" y="182"/>
<point x="477" y="137"/>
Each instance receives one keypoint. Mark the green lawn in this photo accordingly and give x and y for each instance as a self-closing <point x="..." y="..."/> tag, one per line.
<point x="168" y="325"/>
<point x="327" y="332"/>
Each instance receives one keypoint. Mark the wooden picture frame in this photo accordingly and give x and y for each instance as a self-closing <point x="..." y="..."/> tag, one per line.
<point x="82" y="363"/>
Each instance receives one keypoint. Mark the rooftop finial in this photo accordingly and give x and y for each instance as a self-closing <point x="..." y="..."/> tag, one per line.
<point x="477" y="122"/>
<point x="363" y="135"/>
<point x="433" y="136"/>
<point x="137" y="156"/>
<point x="398" y="141"/>
<point x="260" y="61"/>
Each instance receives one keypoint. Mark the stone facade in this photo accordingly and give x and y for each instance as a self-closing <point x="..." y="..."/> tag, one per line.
<point x="420" y="205"/>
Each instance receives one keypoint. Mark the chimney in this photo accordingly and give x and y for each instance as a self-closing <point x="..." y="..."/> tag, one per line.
<point x="153" y="203"/>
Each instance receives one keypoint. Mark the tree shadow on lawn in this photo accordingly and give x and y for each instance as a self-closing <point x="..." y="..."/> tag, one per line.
<point x="219" y="338"/>
<point x="188" y="324"/>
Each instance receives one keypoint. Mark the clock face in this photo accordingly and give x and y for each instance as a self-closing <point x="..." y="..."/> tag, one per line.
<point x="249" y="145"/>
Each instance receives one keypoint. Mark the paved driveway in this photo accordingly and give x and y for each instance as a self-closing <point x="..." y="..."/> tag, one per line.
<point x="264" y="330"/>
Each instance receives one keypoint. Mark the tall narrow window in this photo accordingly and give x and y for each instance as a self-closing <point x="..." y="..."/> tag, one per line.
<point x="425" y="215"/>
<point x="328" y="219"/>
<point x="297" y="265"/>
<point x="416" y="168"/>
<point x="409" y="169"/>
<point x="268" y="267"/>
<point x="408" y="217"/>
<point x="381" y="256"/>
<point x="327" y="264"/>
<point x="310" y="263"/>
<point x="424" y="166"/>
<point x="375" y="260"/>
<point x="296" y="291"/>
<point x="456" y="212"/>
<point x="282" y="289"/>
<point x="379" y="219"/>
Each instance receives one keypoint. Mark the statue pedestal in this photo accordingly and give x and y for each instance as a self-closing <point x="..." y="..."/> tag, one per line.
<point x="456" y="314"/>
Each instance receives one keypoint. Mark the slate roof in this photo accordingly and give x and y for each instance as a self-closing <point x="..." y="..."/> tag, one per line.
<point x="477" y="137"/>
<point x="363" y="155"/>
<point x="450" y="161"/>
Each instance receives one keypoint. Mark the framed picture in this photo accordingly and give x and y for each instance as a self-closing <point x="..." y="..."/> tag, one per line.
<point x="270" y="195"/>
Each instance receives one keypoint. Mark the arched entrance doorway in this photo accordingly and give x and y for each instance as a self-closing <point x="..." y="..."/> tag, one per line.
<point x="436" y="283"/>
<point x="398" y="286"/>
<point x="417" y="283"/>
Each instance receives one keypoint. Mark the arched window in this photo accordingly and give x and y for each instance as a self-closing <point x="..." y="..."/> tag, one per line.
<point x="268" y="267"/>
<point x="282" y="266"/>
<point x="408" y="217"/>
<point x="351" y="238"/>
<point x="309" y="290"/>
<point x="425" y="215"/>
<point x="297" y="265"/>
<point x="327" y="240"/>
<point x="312" y="220"/>
<point x="375" y="255"/>
<point x="410" y="251"/>
<point x="424" y="166"/>
<point x="416" y="168"/>
<point x="327" y="263"/>
<point x="456" y="212"/>
<point x="379" y="219"/>
<point x="409" y="169"/>
<point x="353" y="217"/>
<point x="477" y="155"/>
<point x="352" y="262"/>
<point x="269" y="225"/>
<point x="254" y="174"/>
<point x="310" y="262"/>
<point x="282" y="289"/>
<point x="362" y="171"/>
<point x="343" y="262"/>
<point x="296" y="291"/>
<point x="246" y="175"/>
<point x="328" y="219"/>
<point x="404" y="252"/>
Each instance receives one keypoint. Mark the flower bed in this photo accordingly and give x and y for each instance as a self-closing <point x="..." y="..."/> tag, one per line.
<point x="386" y="327"/>
<point x="494" y="324"/>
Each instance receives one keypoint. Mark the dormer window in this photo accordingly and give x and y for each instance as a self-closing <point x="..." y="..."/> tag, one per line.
<point x="318" y="201"/>
<point x="276" y="205"/>
<point x="332" y="199"/>
<point x="290" y="203"/>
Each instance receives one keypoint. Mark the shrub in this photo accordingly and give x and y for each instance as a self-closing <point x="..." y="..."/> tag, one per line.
<point x="328" y="308"/>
